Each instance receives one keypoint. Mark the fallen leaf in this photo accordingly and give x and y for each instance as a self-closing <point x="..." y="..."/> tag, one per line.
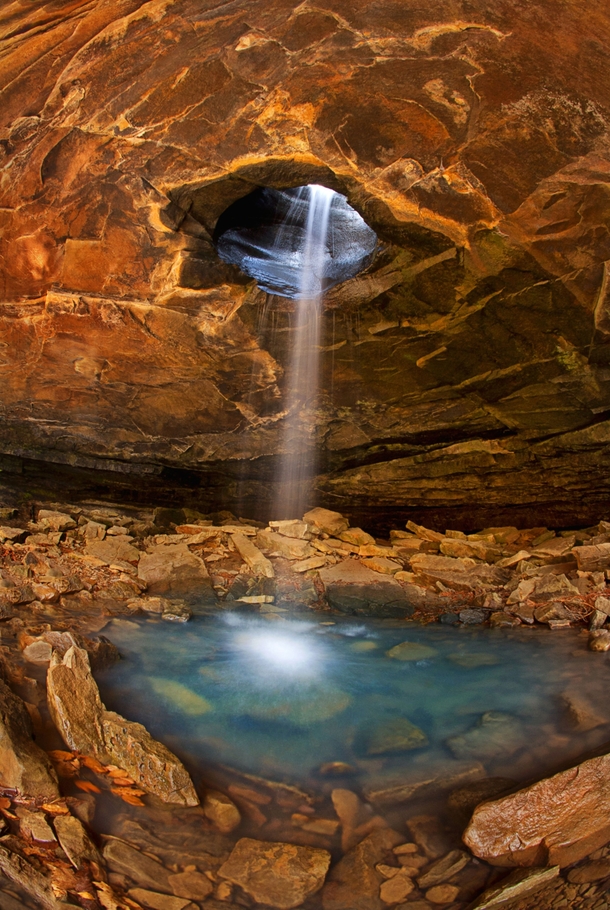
<point x="87" y="786"/>
<point x="92" y="763"/>
<point x="86" y="895"/>
<point x="5" y="803"/>
<point x="55" y="808"/>
<point x="122" y="781"/>
<point x="127" y="796"/>
<point x="59" y="755"/>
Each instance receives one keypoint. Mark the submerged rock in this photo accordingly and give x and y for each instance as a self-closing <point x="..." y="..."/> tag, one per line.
<point x="495" y="734"/>
<point x="354" y="883"/>
<point x="276" y="874"/>
<point x="411" y="651"/>
<point x="396" y="735"/>
<point x="518" y="885"/>
<point x="180" y="697"/>
<point x="557" y="821"/>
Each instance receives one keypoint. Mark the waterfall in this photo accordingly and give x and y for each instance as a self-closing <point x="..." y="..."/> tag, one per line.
<point x="298" y="463"/>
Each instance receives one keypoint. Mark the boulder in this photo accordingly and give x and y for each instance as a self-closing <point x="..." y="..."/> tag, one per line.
<point x="279" y="545"/>
<point x="112" y="550"/>
<point x="327" y="521"/>
<point x="276" y="874"/>
<point x="172" y="567"/>
<point x="556" y="821"/>
<point x="352" y="588"/>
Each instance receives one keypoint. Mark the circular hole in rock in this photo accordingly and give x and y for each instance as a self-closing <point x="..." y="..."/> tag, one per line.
<point x="264" y="234"/>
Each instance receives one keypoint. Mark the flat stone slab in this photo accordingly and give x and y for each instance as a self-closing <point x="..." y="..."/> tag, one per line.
<point x="354" y="588"/>
<point x="276" y="874"/>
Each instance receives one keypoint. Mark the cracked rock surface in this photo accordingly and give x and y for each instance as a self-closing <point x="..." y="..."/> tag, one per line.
<point x="465" y="372"/>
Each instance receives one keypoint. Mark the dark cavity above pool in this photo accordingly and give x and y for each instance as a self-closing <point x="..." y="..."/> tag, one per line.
<point x="264" y="234"/>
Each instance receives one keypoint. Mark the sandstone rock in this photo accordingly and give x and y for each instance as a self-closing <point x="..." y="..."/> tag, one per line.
<point x="292" y="528"/>
<point x="603" y="605"/>
<point x="427" y="778"/>
<point x="288" y="547"/>
<point x="354" y="883"/>
<point x="518" y="885"/>
<point x="121" y="857"/>
<point x="599" y="640"/>
<point x="382" y="565"/>
<point x="352" y="588"/>
<point x="551" y="611"/>
<point x="252" y="556"/>
<point x="411" y="651"/>
<point x="443" y="869"/>
<point x="590" y="872"/>
<point x="429" y="834"/>
<point x="470" y="548"/>
<point x="112" y="551"/>
<point x="356" y="536"/>
<point x="579" y="714"/>
<point x="34" y="826"/>
<point x="74" y="702"/>
<point x="276" y="874"/>
<point x="593" y="559"/>
<point x="325" y="520"/>
<point x="75" y="841"/>
<point x="395" y="735"/>
<point x="396" y="889"/>
<point x="442" y="894"/>
<point x="502" y="620"/>
<point x="150" y="763"/>
<point x="424" y="533"/>
<point x="38" y="652"/>
<point x="30" y="876"/>
<point x="464" y="800"/>
<point x="495" y="734"/>
<point x="172" y="567"/>
<point x="557" y="821"/>
<point x="191" y="885"/>
<point x="55" y="521"/>
<point x="221" y="811"/>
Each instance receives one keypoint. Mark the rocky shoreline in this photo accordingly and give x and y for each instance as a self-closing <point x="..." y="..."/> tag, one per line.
<point x="242" y="841"/>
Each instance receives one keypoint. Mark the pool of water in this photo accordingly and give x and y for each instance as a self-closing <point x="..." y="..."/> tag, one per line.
<point x="392" y="700"/>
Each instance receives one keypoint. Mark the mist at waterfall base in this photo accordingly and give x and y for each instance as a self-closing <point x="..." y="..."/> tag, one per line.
<point x="297" y="243"/>
<point x="279" y="699"/>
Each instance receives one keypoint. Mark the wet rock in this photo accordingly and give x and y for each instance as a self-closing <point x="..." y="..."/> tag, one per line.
<point x="147" y="761"/>
<point x="121" y="857"/>
<point x="518" y="885"/>
<point x="599" y="640"/>
<point x="75" y="841"/>
<point x="172" y="567"/>
<point x="443" y="869"/>
<point x="382" y="565"/>
<point x="557" y="821"/>
<point x="354" y="883"/>
<point x="332" y="523"/>
<point x="473" y="617"/>
<point x="397" y="888"/>
<point x="495" y="734"/>
<point x="24" y="767"/>
<point x="462" y="802"/>
<point x="394" y="736"/>
<point x="411" y="651"/>
<point x="551" y="611"/>
<point x="152" y="900"/>
<point x="590" y="872"/>
<point x="442" y="894"/>
<point x="503" y="620"/>
<point x="180" y="697"/>
<point x="352" y="588"/>
<point x="430" y="835"/>
<point x="418" y="781"/>
<point x="252" y="556"/>
<point x="191" y="885"/>
<point x="578" y="714"/>
<point x="74" y="702"/>
<point x="276" y="874"/>
<point x="179" y="846"/>
<point x="222" y="811"/>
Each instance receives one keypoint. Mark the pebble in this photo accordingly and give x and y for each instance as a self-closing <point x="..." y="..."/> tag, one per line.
<point x="442" y="894"/>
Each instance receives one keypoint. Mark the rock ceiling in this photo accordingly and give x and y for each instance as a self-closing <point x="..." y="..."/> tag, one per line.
<point x="466" y="372"/>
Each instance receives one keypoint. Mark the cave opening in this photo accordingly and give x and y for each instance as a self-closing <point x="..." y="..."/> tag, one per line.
<point x="264" y="234"/>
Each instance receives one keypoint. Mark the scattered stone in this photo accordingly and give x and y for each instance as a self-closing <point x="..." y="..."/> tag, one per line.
<point x="30" y="876"/>
<point x="112" y="551"/>
<point x="306" y="565"/>
<point x="503" y="620"/>
<point x="291" y="528"/>
<point x="75" y="841"/>
<point x="253" y="557"/>
<point x="382" y="565"/>
<point x="557" y="821"/>
<point x="578" y="714"/>
<point x="221" y="811"/>
<point x="54" y="521"/>
<point x="424" y="533"/>
<point x="590" y="872"/>
<point x="593" y="558"/>
<point x="518" y="885"/>
<point x="288" y="547"/>
<point x="38" y="652"/>
<point x="473" y="617"/>
<point x="430" y="835"/>
<point x="357" y="537"/>
<point x="33" y="825"/>
<point x="551" y="611"/>
<point x="418" y="781"/>
<point x="74" y="702"/>
<point x="599" y="640"/>
<point x="24" y="767"/>
<point x="332" y="523"/>
<point x="411" y="651"/>
<point x="495" y="734"/>
<point x="140" y="868"/>
<point x="397" y="888"/>
<point x="192" y="885"/>
<point x="172" y="567"/>
<point x="598" y="618"/>
<point x="354" y="883"/>
<point x="443" y="869"/>
<point x="602" y="604"/>
<point x="442" y="894"/>
<point x="279" y="875"/>
<point x="395" y="735"/>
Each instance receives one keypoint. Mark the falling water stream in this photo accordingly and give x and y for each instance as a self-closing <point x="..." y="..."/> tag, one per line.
<point x="297" y="465"/>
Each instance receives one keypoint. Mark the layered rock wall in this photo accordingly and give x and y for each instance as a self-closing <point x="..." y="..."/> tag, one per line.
<point x="465" y="373"/>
